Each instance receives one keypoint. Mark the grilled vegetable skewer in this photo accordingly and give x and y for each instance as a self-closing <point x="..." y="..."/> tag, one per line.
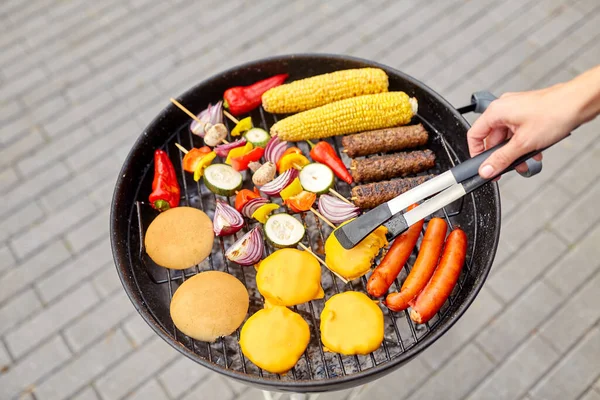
<point x="385" y="140"/>
<point x="373" y="194"/>
<point x="391" y="165"/>
<point x="356" y="114"/>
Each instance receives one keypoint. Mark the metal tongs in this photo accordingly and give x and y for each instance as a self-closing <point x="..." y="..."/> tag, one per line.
<point x="450" y="186"/>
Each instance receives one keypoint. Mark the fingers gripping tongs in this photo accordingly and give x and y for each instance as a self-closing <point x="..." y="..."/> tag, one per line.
<point x="450" y="186"/>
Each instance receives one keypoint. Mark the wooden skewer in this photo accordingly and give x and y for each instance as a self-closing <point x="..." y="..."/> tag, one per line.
<point x="181" y="148"/>
<point x="339" y="196"/>
<point x="352" y="168"/>
<point x="318" y="214"/>
<point x="344" y="151"/>
<point x="188" y="112"/>
<point x="231" y="117"/>
<point x="322" y="262"/>
<point x="353" y="198"/>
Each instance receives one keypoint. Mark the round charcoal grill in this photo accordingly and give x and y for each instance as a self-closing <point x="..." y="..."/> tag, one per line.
<point x="150" y="287"/>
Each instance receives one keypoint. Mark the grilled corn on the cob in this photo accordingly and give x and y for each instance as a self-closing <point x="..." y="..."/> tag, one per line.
<point x="318" y="90"/>
<point x="373" y="111"/>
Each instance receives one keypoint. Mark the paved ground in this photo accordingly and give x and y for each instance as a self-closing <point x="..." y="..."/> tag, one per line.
<point x="80" y="79"/>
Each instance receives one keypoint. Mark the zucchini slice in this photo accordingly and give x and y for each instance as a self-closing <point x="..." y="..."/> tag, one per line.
<point x="258" y="137"/>
<point x="283" y="230"/>
<point x="317" y="178"/>
<point x="222" y="179"/>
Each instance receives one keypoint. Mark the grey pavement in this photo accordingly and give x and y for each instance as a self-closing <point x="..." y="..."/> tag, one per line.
<point x="80" y="79"/>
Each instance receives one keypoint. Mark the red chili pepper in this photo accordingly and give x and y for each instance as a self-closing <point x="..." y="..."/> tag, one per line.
<point x="244" y="196"/>
<point x="241" y="163"/>
<point x="242" y="99"/>
<point x="324" y="153"/>
<point x="165" y="189"/>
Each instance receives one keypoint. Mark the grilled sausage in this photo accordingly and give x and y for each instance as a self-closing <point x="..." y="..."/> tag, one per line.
<point x="388" y="269"/>
<point x="391" y="165"/>
<point x="385" y="140"/>
<point x="443" y="280"/>
<point x="427" y="260"/>
<point x="373" y="194"/>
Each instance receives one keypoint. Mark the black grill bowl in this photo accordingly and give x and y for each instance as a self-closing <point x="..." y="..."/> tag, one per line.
<point x="150" y="287"/>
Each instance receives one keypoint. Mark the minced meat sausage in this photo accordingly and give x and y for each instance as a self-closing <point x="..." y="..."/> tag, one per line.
<point x="390" y="166"/>
<point x="373" y="194"/>
<point x="385" y="140"/>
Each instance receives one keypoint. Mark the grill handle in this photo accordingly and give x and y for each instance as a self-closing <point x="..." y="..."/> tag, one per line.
<point x="480" y="101"/>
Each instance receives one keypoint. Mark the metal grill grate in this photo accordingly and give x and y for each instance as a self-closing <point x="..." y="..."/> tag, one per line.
<point x="401" y="334"/>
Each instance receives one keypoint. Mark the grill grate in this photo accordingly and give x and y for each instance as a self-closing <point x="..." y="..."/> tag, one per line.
<point x="401" y="334"/>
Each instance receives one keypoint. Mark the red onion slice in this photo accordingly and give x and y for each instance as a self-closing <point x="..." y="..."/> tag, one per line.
<point x="227" y="220"/>
<point x="248" y="250"/>
<point x="212" y="114"/>
<point x="252" y="205"/>
<point x="275" y="149"/>
<point x="278" y="184"/>
<point x="336" y="210"/>
<point x="222" y="150"/>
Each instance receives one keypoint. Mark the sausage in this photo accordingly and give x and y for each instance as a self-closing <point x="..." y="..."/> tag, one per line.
<point x="427" y="260"/>
<point x="373" y="194"/>
<point x="391" y="165"/>
<point x="435" y="294"/>
<point x="388" y="269"/>
<point x="385" y="140"/>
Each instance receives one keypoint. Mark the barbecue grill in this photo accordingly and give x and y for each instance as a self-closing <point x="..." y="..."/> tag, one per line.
<point x="150" y="287"/>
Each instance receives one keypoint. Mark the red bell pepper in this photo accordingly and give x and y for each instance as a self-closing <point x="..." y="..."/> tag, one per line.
<point x="324" y="153"/>
<point x="243" y="196"/>
<point x="242" y="99"/>
<point x="165" y="189"/>
<point x="241" y="163"/>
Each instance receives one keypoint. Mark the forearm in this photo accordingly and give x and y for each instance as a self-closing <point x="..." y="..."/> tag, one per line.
<point x="584" y="93"/>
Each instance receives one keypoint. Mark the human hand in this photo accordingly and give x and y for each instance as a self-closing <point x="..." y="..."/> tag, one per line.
<point x="533" y="120"/>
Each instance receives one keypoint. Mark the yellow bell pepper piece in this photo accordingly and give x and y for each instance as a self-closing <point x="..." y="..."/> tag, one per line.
<point x="292" y="189"/>
<point x="242" y="126"/>
<point x="202" y="164"/>
<point x="238" y="152"/>
<point x="293" y="160"/>
<point x="263" y="212"/>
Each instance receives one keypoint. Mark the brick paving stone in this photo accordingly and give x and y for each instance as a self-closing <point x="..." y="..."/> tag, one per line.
<point x="55" y="316"/>
<point x="89" y="231"/>
<point x="477" y="316"/>
<point x="403" y="380"/>
<point x="456" y="378"/>
<point x="518" y="320"/>
<point x="591" y="394"/>
<point x="7" y="260"/>
<point x="574" y="373"/>
<point x="86" y="394"/>
<point x="580" y="216"/>
<point x="88" y="364"/>
<point x="35" y="267"/>
<point x="4" y="359"/>
<point x="511" y="279"/>
<point x="63" y="279"/>
<point x="21" y="146"/>
<point x="180" y="376"/>
<point x="578" y="176"/>
<point x="135" y="369"/>
<point x="19" y="221"/>
<point x="149" y="390"/>
<point x="137" y="329"/>
<point x="52" y="226"/>
<point x="98" y="321"/>
<point x="523" y="368"/>
<point x="18" y="309"/>
<point x="8" y="178"/>
<point x="34" y="186"/>
<point x="27" y="371"/>
<point x="575" y="317"/>
<point x="106" y="281"/>
<point x="213" y="388"/>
